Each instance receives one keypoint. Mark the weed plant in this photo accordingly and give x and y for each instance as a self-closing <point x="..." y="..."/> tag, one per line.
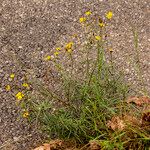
<point x="88" y="94"/>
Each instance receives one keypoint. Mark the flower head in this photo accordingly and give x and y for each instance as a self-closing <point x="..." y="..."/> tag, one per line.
<point x="69" y="45"/>
<point x="88" y="13"/>
<point x="58" y="48"/>
<point x="25" y="114"/>
<point x="82" y="19"/>
<point x="109" y="15"/>
<point x="8" y="87"/>
<point x="19" y="96"/>
<point x="101" y="24"/>
<point x="12" y="75"/>
<point x="111" y="50"/>
<point x="47" y="58"/>
<point x="98" y="38"/>
<point x="25" y="85"/>
<point x="56" y="54"/>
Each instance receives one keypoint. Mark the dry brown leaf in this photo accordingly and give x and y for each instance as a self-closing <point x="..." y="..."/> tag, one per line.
<point x="52" y="145"/>
<point x="116" y="123"/>
<point x="94" y="145"/>
<point x="40" y="148"/>
<point x="130" y="119"/>
<point x="139" y="100"/>
<point x="55" y="144"/>
<point x="47" y="146"/>
<point x="44" y="147"/>
<point x="146" y="118"/>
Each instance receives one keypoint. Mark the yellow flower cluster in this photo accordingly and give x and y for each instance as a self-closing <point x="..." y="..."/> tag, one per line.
<point x="56" y="53"/>
<point x="69" y="46"/>
<point x="19" y="96"/>
<point x="83" y="19"/>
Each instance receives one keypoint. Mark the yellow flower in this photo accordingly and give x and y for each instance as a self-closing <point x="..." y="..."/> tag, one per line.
<point x="47" y="58"/>
<point x="109" y="15"/>
<point x="56" y="54"/>
<point x="19" y="95"/>
<point x="25" y="85"/>
<point x="12" y="75"/>
<point x="25" y="114"/>
<point x="69" y="45"/>
<point x="98" y="38"/>
<point x="7" y="87"/>
<point x="88" y="13"/>
<point x="82" y="19"/>
<point x="101" y="24"/>
<point x="58" y="48"/>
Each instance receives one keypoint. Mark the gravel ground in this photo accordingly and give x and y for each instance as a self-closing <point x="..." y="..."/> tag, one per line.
<point x="30" y="29"/>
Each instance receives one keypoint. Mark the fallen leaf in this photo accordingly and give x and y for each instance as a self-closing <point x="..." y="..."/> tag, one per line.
<point x="116" y="123"/>
<point x="40" y="148"/>
<point x="130" y="119"/>
<point x="94" y="145"/>
<point x="146" y="118"/>
<point x="55" y="144"/>
<point x="47" y="146"/>
<point x="139" y="100"/>
<point x="52" y="145"/>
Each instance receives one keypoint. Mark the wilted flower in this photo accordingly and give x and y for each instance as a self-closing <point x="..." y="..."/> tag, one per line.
<point x="7" y="87"/>
<point x="110" y="50"/>
<point x="25" y="114"/>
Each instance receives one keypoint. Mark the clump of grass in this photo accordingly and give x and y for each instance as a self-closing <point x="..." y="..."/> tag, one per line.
<point x="89" y="93"/>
